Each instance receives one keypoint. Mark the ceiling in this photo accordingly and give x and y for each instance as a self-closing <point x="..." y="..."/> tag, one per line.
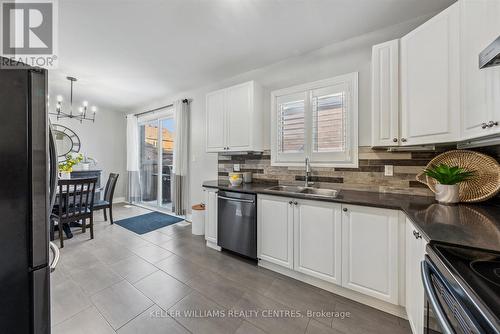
<point x="128" y="53"/>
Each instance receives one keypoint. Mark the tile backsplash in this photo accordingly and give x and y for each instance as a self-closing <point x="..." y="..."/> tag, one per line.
<point x="369" y="176"/>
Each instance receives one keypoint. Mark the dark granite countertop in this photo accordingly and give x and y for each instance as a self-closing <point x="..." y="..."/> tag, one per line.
<point x="475" y="225"/>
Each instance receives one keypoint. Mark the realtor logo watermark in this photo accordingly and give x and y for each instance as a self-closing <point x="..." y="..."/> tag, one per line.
<point x="29" y="33"/>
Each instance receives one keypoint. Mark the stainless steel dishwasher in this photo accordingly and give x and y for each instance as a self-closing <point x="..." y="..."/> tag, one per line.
<point x="237" y="223"/>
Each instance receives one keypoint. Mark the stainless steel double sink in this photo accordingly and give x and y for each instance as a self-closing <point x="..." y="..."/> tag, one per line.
<point x="310" y="191"/>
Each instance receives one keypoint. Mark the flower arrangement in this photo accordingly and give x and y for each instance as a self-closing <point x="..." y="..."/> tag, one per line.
<point x="67" y="165"/>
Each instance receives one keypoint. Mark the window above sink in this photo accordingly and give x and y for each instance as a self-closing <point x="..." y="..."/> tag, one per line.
<point x="318" y="120"/>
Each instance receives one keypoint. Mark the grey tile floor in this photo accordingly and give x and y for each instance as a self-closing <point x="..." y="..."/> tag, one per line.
<point x="168" y="281"/>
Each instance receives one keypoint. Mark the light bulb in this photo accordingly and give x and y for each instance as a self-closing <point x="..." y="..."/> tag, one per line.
<point x="80" y="109"/>
<point x="59" y="98"/>
<point x="85" y="104"/>
<point x="93" y="109"/>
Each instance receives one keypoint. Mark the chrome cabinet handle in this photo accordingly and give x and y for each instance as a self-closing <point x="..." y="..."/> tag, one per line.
<point x="291" y="202"/>
<point x="484" y="125"/>
<point x="395" y="140"/>
<point x="417" y="235"/>
<point x="344" y="209"/>
<point x="55" y="251"/>
<point x="403" y="140"/>
<point x="433" y="299"/>
<point x="492" y="124"/>
<point x="295" y="203"/>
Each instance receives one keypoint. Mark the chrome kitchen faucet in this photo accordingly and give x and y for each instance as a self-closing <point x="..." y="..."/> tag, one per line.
<point x="308" y="174"/>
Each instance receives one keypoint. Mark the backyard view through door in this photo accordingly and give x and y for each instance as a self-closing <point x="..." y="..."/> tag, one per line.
<point x="156" y="152"/>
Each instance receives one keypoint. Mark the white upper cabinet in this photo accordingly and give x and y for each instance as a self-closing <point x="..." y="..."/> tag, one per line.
<point x="370" y="251"/>
<point x="430" y="81"/>
<point x="480" y="25"/>
<point x="385" y="94"/>
<point x="239" y="116"/>
<point x="318" y="240"/>
<point x="234" y="119"/>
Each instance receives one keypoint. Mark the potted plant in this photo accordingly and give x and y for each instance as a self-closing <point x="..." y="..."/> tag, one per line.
<point x="448" y="178"/>
<point x="66" y="167"/>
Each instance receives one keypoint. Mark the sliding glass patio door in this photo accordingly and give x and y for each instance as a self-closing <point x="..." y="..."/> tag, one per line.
<point x="156" y="152"/>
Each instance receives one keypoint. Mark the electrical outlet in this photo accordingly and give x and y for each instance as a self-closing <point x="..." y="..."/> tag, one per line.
<point x="236" y="167"/>
<point x="389" y="170"/>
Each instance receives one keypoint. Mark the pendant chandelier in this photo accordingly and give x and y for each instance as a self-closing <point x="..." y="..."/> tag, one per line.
<point x="83" y="113"/>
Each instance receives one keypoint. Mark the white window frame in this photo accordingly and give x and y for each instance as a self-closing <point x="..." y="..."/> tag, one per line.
<point x="350" y="160"/>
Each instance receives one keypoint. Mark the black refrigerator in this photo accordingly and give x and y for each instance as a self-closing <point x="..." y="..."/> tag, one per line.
<point x="28" y="165"/>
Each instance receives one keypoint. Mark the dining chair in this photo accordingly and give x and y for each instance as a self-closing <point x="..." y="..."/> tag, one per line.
<point x="75" y="203"/>
<point x="109" y="192"/>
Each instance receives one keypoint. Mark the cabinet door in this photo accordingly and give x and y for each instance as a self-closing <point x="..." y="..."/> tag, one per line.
<point x="430" y="86"/>
<point x="385" y="94"/>
<point x="415" y="253"/>
<point x="480" y="25"/>
<point x="215" y="122"/>
<point x="239" y="117"/>
<point x="317" y="244"/>
<point x="370" y="251"/>
<point x="211" y="215"/>
<point x="275" y="230"/>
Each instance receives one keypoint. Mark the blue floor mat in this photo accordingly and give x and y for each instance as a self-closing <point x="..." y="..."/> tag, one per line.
<point x="148" y="222"/>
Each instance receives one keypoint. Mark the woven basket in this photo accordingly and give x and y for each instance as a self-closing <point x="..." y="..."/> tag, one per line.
<point x="483" y="185"/>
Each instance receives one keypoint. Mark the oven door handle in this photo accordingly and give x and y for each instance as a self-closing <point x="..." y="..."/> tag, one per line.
<point x="236" y="199"/>
<point x="433" y="300"/>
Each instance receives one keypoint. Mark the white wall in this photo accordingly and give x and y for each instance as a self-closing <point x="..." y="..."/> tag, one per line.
<point x="105" y="141"/>
<point x="353" y="55"/>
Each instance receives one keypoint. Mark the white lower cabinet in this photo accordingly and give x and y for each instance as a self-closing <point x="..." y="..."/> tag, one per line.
<point x="370" y="251"/>
<point x="357" y="248"/>
<point x="211" y="216"/>
<point x="318" y="240"/>
<point x="415" y="254"/>
<point x="275" y="230"/>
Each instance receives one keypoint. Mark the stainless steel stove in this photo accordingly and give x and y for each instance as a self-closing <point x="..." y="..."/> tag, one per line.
<point x="462" y="287"/>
